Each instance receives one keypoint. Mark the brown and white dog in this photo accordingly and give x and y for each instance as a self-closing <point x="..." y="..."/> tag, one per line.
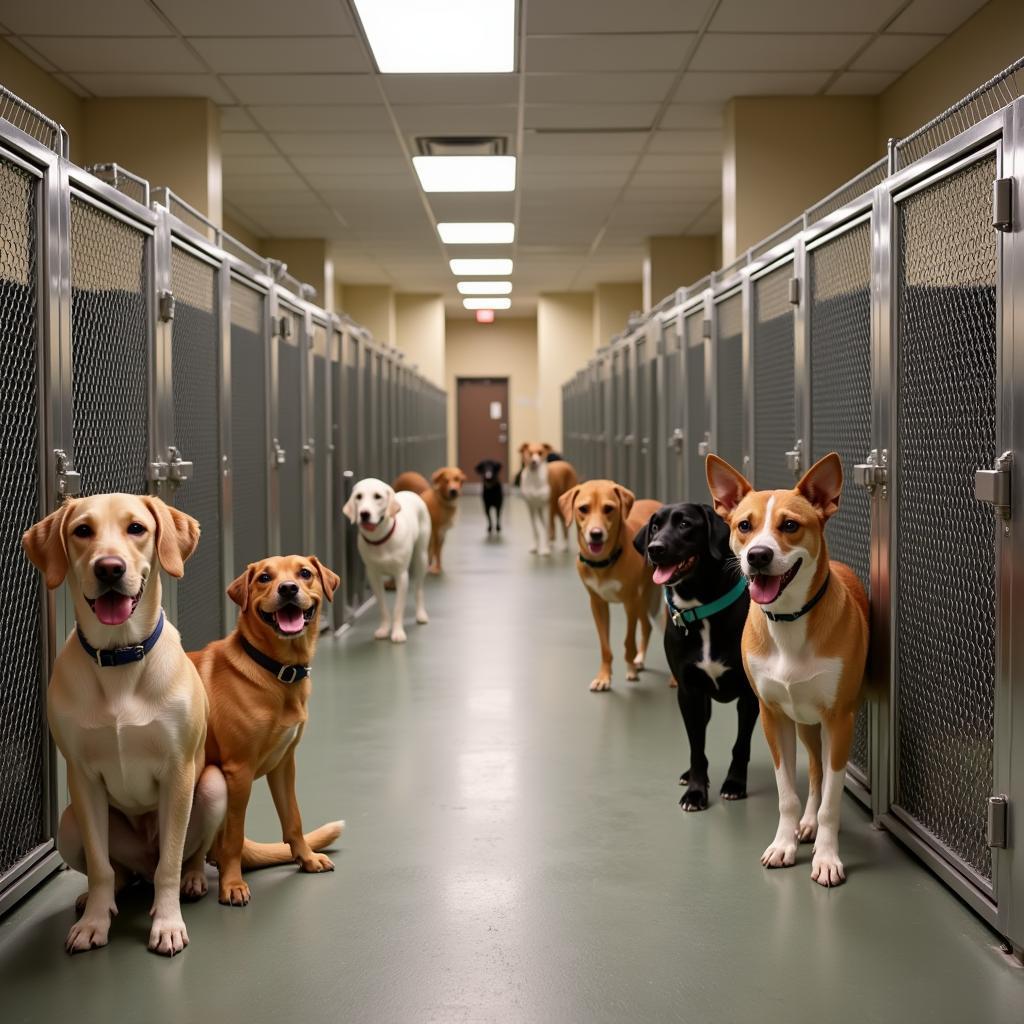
<point x="607" y="517"/>
<point x="804" y="646"/>
<point x="441" y="495"/>
<point x="542" y="485"/>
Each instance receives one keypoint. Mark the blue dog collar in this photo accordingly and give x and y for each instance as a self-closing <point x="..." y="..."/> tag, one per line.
<point x="686" y="617"/>
<point x="115" y="656"/>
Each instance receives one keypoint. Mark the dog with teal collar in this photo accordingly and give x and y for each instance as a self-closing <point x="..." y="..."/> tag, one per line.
<point x="706" y="601"/>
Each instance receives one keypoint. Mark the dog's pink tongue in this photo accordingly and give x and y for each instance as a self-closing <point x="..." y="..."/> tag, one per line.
<point x="764" y="589"/>
<point x="290" y="619"/>
<point x="663" y="573"/>
<point x="112" y="609"/>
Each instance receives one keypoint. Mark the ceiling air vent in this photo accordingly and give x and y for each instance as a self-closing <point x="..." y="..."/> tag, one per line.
<point x="445" y="145"/>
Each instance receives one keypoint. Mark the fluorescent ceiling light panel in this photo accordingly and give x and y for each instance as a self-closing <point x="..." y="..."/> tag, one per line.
<point x="476" y="268"/>
<point x="487" y="303"/>
<point x="479" y="233"/>
<point x="466" y="173"/>
<point x="485" y="287"/>
<point x="441" y="37"/>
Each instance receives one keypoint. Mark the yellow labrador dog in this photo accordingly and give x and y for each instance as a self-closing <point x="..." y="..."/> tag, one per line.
<point x="128" y="711"/>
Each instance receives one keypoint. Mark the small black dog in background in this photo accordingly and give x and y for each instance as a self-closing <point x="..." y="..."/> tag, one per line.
<point x="490" y="472"/>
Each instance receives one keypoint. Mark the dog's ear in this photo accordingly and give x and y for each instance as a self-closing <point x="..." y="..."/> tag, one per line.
<point x="523" y="447"/>
<point x="480" y="468"/>
<point x="728" y="486"/>
<point x="393" y="507"/>
<point x="567" y="503"/>
<point x="462" y="476"/>
<point x="822" y="485"/>
<point x="626" y="498"/>
<point x="329" y="579"/>
<point x="238" y="589"/>
<point x="177" y="535"/>
<point x="718" y="534"/>
<point x="349" y="508"/>
<point x="438" y="475"/>
<point x="546" y="448"/>
<point x="497" y="467"/>
<point x="45" y="547"/>
<point x="641" y="537"/>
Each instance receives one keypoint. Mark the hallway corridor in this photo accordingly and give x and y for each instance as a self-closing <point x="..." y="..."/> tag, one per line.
<point x="514" y="853"/>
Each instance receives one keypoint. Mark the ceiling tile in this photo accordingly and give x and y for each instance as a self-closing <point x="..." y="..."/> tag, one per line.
<point x="936" y="15"/>
<point x="354" y="165"/>
<point x="239" y="166"/>
<point x="678" y="179"/>
<point x="682" y="162"/>
<point x="391" y="184"/>
<point x="704" y="86"/>
<point x="117" y="54"/>
<point x="258" y="17"/>
<point x="306" y="54"/>
<point x="801" y="16"/>
<point x="269" y="183"/>
<point x="236" y="119"/>
<point x="686" y="142"/>
<point x="69" y="83"/>
<point x="862" y="83"/>
<point x="305" y="89"/>
<point x="642" y="193"/>
<point x="605" y="115"/>
<point x="561" y="183"/>
<point x="473" y="89"/>
<point x="693" y="115"/>
<point x="616" y="87"/>
<point x="663" y="52"/>
<point x="82" y="18"/>
<point x="457" y="120"/>
<point x="31" y="52"/>
<point x="707" y="223"/>
<point x="339" y="143"/>
<point x="488" y="206"/>
<point x="154" y="85"/>
<point x="285" y="118"/>
<point x="766" y="51"/>
<point x="582" y="164"/>
<point x="895" y="52"/>
<point x="551" y="143"/>
<point x="246" y="144"/>
<point x="570" y="16"/>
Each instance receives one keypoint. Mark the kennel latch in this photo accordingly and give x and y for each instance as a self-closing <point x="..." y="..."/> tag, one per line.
<point x="178" y="470"/>
<point x="1002" y="204"/>
<point x="795" y="457"/>
<point x="873" y="473"/>
<point x="165" y="306"/>
<point x="677" y="440"/>
<point x="69" y="481"/>
<point x="280" y="457"/>
<point x="998" y="821"/>
<point x="993" y="485"/>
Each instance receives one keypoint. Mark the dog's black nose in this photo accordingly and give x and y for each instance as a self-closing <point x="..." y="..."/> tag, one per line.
<point x="597" y="534"/>
<point x="364" y="516"/>
<point x="110" y="569"/>
<point x="760" y="557"/>
<point x="453" y="493"/>
<point x="287" y="590"/>
<point x="655" y="549"/>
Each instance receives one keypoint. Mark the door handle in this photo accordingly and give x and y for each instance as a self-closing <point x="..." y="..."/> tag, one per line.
<point x="874" y="473"/>
<point x="280" y="456"/>
<point x="993" y="485"/>
<point x="795" y="457"/>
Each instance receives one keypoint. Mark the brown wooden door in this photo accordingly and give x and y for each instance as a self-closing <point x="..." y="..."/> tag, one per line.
<point x="483" y="422"/>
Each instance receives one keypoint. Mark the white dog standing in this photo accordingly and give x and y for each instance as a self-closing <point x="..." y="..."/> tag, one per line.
<point x="394" y="535"/>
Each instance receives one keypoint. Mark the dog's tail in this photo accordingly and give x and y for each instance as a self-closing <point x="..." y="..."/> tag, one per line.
<point x="266" y="855"/>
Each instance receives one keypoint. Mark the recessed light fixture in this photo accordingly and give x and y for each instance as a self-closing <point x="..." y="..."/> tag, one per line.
<point x="475" y="268"/>
<point x="480" y="233"/>
<point x="453" y="37"/>
<point x="487" y="303"/>
<point x="484" y="287"/>
<point x="466" y="173"/>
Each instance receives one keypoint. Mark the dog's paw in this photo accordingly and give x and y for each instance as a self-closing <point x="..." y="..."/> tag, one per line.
<point x="168" y="935"/>
<point x="234" y="893"/>
<point x="632" y="673"/>
<point x="780" y="854"/>
<point x="827" y="869"/>
<point x="398" y="635"/>
<point x="600" y="684"/>
<point x="695" y="798"/>
<point x="545" y="552"/>
<point x="382" y="633"/>
<point x="193" y="885"/>
<point x="422" y="618"/>
<point x="807" y="830"/>
<point x="498" y="527"/>
<point x="533" y="549"/>
<point x="638" y="661"/>
<point x="316" y="863"/>
<point x="684" y="778"/>
<point x="92" y="930"/>
<point x="733" y="789"/>
<point x="434" y="570"/>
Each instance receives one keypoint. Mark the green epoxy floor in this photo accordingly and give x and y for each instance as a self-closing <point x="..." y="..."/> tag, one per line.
<point x="515" y="853"/>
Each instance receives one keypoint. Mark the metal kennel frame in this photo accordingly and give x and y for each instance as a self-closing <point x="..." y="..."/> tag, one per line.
<point x="887" y="324"/>
<point x="145" y="350"/>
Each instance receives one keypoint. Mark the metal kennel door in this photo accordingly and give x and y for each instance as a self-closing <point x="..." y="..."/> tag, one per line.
<point x="674" y="412"/>
<point x="320" y="440"/>
<point x="945" y="580"/>
<point x="251" y="451"/>
<point x="195" y="438"/>
<point x="289" y="433"/>
<point x="729" y="431"/>
<point x="772" y="378"/>
<point x="697" y="434"/>
<point x="839" y="357"/>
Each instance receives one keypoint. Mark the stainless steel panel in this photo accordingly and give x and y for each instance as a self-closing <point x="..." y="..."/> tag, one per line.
<point x="696" y="408"/>
<point x="730" y="415"/>
<point x="291" y="434"/>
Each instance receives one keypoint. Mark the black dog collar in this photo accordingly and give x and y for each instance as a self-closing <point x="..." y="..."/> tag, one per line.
<point x="286" y="673"/>
<point x="793" y="616"/>
<point x="114" y="656"/>
<point x="604" y="563"/>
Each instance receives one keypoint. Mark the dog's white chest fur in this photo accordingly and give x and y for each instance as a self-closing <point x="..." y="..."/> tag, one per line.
<point x="711" y="667"/>
<point x="606" y="589"/>
<point x="796" y="680"/>
<point x="534" y="485"/>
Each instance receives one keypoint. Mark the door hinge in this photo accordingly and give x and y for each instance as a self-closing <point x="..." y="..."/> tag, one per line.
<point x="1002" y="204"/>
<point x="308" y="450"/>
<point x="998" y="821"/>
<point x="993" y="485"/>
<point x="165" y="306"/>
<point x="69" y="482"/>
<point x="283" y="327"/>
<point x="705" y="330"/>
<point x="795" y="457"/>
<point x="794" y="291"/>
<point x="704" y="447"/>
<point x="873" y="473"/>
<point x="280" y="457"/>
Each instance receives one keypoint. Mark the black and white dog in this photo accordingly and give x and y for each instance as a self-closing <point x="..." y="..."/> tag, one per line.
<point x="706" y="599"/>
<point x="490" y="472"/>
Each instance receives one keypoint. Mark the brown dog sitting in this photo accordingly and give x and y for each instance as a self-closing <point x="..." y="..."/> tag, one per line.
<point x="607" y="517"/>
<point x="441" y="495"/>
<point x="257" y="682"/>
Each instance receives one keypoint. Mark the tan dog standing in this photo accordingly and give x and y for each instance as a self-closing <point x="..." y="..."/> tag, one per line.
<point x="441" y="495"/>
<point x="804" y="646"/>
<point x="542" y="485"/>
<point x="607" y="517"/>
<point x="128" y="712"/>
<point x="258" y="684"/>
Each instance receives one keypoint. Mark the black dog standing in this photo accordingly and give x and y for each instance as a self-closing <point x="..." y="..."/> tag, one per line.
<point x="707" y="601"/>
<point x="489" y="471"/>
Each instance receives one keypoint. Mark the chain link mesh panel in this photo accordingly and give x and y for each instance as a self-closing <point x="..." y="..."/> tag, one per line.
<point x="290" y="435"/>
<point x="839" y="316"/>
<point x="322" y="441"/>
<point x="945" y="559"/>
<point x="22" y="732"/>
<point x="773" y="377"/>
<point x="729" y="381"/>
<point x="696" y="408"/>
<point x="109" y="350"/>
<point x="674" y="404"/>
<point x="195" y="340"/>
<point x="250" y="437"/>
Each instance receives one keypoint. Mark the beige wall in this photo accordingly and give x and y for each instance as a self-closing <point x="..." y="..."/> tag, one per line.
<point x="238" y="230"/>
<point x="613" y="304"/>
<point x="674" y="261"/>
<point x="420" y="333"/>
<point x="506" y="348"/>
<point x="565" y="341"/>
<point x="372" y="305"/>
<point x="307" y="260"/>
